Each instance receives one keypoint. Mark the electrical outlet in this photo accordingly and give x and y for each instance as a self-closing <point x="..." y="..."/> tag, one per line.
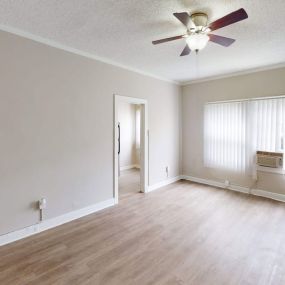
<point x="42" y="203"/>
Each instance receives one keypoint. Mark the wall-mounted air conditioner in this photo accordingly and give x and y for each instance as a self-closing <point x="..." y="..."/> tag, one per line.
<point x="269" y="159"/>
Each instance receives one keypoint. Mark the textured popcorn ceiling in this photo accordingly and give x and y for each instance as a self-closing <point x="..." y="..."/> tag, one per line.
<point x="122" y="30"/>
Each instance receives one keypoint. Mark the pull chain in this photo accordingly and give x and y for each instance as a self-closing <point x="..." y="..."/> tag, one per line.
<point x="197" y="64"/>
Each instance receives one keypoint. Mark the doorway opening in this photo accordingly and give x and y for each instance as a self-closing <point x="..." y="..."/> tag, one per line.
<point x="130" y="146"/>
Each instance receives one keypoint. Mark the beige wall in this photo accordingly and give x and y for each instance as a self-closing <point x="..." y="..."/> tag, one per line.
<point x="127" y="119"/>
<point x="194" y="96"/>
<point x="56" y="129"/>
<point x="138" y="135"/>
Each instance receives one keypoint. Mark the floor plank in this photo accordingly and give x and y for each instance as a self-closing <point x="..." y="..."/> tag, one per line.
<point x="185" y="233"/>
<point x="129" y="182"/>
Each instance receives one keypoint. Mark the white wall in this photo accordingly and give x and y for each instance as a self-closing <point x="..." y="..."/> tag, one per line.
<point x="138" y="135"/>
<point x="127" y="119"/>
<point x="56" y="129"/>
<point x="260" y="84"/>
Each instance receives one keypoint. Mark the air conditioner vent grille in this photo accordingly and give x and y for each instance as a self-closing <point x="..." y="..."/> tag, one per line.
<point x="269" y="159"/>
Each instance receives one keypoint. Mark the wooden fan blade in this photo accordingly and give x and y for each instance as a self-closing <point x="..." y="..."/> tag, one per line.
<point x="229" y="19"/>
<point x="186" y="51"/>
<point x="223" y="41"/>
<point x="183" y="17"/>
<point x="168" y="39"/>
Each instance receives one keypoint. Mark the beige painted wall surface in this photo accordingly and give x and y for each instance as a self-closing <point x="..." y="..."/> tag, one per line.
<point x="127" y="119"/>
<point x="194" y="96"/>
<point x="56" y="129"/>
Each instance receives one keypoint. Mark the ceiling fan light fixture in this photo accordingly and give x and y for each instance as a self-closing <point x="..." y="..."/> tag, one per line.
<point x="199" y="32"/>
<point x="197" y="42"/>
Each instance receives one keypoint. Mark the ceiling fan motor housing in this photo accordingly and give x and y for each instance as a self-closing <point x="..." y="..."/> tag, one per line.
<point x="200" y="19"/>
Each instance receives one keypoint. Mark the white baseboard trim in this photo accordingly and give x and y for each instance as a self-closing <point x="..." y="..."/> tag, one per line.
<point x="270" y="195"/>
<point x="247" y="190"/>
<point x="68" y="217"/>
<point x="216" y="184"/>
<point x="122" y="168"/>
<point x="203" y="181"/>
<point x="54" y="222"/>
<point x="163" y="183"/>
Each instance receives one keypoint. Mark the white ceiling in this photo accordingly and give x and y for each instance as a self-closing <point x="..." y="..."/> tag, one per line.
<point x="122" y="30"/>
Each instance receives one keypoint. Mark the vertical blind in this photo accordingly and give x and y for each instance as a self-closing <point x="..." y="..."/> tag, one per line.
<point x="234" y="131"/>
<point x="268" y="123"/>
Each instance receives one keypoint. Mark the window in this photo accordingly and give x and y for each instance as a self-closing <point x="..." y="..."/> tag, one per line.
<point x="268" y="124"/>
<point x="234" y="131"/>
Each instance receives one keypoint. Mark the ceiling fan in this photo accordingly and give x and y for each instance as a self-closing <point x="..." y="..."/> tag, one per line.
<point x="198" y="31"/>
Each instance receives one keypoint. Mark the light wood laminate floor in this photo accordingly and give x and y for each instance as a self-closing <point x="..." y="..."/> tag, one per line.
<point x="129" y="182"/>
<point x="184" y="233"/>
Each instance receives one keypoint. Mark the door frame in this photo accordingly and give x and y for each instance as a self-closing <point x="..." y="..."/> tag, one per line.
<point x="144" y="169"/>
